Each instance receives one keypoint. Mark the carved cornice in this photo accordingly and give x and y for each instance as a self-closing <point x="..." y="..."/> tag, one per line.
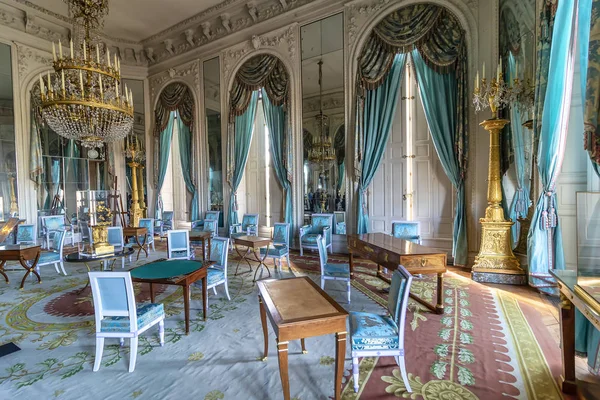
<point x="185" y="71"/>
<point x="330" y="101"/>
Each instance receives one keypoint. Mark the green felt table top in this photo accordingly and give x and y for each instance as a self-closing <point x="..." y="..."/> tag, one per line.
<point x="166" y="269"/>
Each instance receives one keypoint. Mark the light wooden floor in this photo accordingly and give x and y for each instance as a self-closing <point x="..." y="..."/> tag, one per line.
<point x="548" y="307"/>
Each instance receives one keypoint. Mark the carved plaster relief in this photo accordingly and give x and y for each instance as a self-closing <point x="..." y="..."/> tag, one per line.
<point x="29" y="59"/>
<point x="188" y="73"/>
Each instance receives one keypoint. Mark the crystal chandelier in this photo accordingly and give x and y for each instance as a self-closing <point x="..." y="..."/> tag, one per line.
<point x="322" y="153"/>
<point x="83" y="101"/>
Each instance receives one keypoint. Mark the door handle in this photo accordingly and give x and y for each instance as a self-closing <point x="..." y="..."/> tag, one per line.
<point x="406" y="156"/>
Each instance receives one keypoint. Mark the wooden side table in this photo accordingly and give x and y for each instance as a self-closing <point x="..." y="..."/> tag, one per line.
<point x="201" y="236"/>
<point x="20" y="253"/>
<point x="136" y="232"/>
<point x="297" y="309"/>
<point x="252" y="243"/>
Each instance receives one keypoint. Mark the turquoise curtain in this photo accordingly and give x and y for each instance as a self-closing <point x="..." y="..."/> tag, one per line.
<point x="520" y="202"/>
<point x="341" y="174"/>
<point x="185" y="152"/>
<point x="440" y="97"/>
<point x="243" y="127"/>
<point x="544" y="242"/>
<point x="164" y="148"/>
<point x="378" y="116"/>
<point x="276" y="119"/>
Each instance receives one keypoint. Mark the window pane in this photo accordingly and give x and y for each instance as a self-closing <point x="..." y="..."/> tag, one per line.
<point x="8" y="164"/>
<point x="212" y="101"/>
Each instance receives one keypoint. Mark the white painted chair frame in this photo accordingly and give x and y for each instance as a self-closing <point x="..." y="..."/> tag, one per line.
<point x="225" y="281"/>
<point x="117" y="240"/>
<point x="398" y="354"/>
<point x="171" y="247"/>
<point x="323" y="257"/>
<point x="60" y="254"/>
<point x="134" y="332"/>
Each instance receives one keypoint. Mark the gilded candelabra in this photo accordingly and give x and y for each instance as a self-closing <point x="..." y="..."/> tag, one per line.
<point x="495" y="262"/>
<point x="135" y="154"/>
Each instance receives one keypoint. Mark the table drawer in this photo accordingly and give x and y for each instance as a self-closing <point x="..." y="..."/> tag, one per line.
<point x="433" y="261"/>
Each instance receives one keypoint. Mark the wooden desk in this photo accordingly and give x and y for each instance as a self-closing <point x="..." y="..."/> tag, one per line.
<point x="572" y="296"/>
<point x="201" y="236"/>
<point x="175" y="272"/>
<point x="20" y="253"/>
<point x="298" y="309"/>
<point x="389" y="251"/>
<point x="136" y="232"/>
<point x="252" y="243"/>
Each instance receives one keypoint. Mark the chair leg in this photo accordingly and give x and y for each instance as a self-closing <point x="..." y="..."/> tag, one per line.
<point x="355" y="373"/>
<point x="402" y="365"/>
<point x="122" y="262"/>
<point x="133" y="347"/>
<point x="215" y="290"/>
<point x="62" y="266"/>
<point x="56" y="268"/>
<point x="227" y="289"/>
<point x="301" y="249"/>
<point x="99" y="350"/>
<point x="348" y="283"/>
<point x="161" y="332"/>
<point x="322" y="283"/>
<point x="153" y="248"/>
<point x="121" y="342"/>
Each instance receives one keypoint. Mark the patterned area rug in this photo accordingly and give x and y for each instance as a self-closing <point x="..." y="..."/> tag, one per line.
<point x="488" y="345"/>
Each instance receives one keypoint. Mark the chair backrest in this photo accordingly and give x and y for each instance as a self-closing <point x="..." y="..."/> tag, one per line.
<point x="322" y="252"/>
<point x="58" y="242"/>
<point x="398" y="298"/>
<point x="318" y="221"/>
<point x="340" y="216"/>
<point x="148" y="223"/>
<point x="53" y="222"/>
<point x="167" y="216"/>
<point x="113" y="297"/>
<point x="178" y="241"/>
<point x="26" y="233"/>
<point x="219" y="250"/>
<point x="115" y="236"/>
<point x="406" y="229"/>
<point x="249" y="220"/>
<point x="281" y="234"/>
<point x="210" y="225"/>
<point x="211" y="215"/>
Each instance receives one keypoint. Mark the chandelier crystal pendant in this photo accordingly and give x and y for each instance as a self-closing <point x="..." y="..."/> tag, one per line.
<point x="82" y="100"/>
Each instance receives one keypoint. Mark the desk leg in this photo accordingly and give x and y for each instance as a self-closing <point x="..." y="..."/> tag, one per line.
<point x="30" y="269"/>
<point x="439" y="308"/>
<point x="186" y="305"/>
<point x="304" y="351"/>
<point x="243" y="258"/>
<point x="137" y="240"/>
<point x="209" y="245"/>
<point x="340" y="356"/>
<point x="203" y="249"/>
<point x="263" y="320"/>
<point x="282" y="354"/>
<point x="351" y="265"/>
<point x="151" y="293"/>
<point x="568" y="382"/>
<point x="204" y="297"/>
<point x="2" y="270"/>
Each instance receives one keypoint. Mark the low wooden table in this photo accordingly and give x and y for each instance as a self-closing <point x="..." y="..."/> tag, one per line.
<point x="252" y="243"/>
<point x="20" y="253"/>
<point x="136" y="232"/>
<point x="201" y="236"/>
<point x="78" y="257"/>
<point x="389" y="251"/>
<point x="298" y="309"/>
<point x="175" y="272"/>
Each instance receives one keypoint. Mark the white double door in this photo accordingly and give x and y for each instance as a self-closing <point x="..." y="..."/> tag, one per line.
<point x="410" y="183"/>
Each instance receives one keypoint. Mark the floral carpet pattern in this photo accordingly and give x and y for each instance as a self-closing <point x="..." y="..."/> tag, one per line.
<point x="483" y="347"/>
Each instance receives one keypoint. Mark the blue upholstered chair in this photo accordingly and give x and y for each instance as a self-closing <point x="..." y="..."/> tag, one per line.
<point x="54" y="255"/>
<point x="118" y="315"/>
<point x="210" y="226"/>
<point x="321" y="224"/>
<point x="249" y="226"/>
<point x="178" y="244"/>
<point x="374" y="335"/>
<point x="26" y="234"/>
<point x="148" y="223"/>
<point x="164" y="224"/>
<point x="407" y="230"/>
<point x="333" y="272"/>
<point x="340" y="222"/>
<point x="217" y="273"/>
<point x="208" y="216"/>
<point x="281" y="245"/>
<point x="51" y="224"/>
<point x="115" y="238"/>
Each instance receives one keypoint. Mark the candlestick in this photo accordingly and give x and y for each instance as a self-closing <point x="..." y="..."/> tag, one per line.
<point x="81" y="82"/>
<point x="483" y="74"/>
<point x="60" y="49"/>
<point x="62" y="74"/>
<point x="54" y="51"/>
<point x="49" y="85"/>
<point x="101" y="88"/>
<point x="126" y="94"/>
<point x="84" y="50"/>
<point x="477" y="80"/>
<point x="97" y="54"/>
<point x="71" y="46"/>
<point x="41" y="85"/>
<point x="117" y="90"/>
<point x="108" y="57"/>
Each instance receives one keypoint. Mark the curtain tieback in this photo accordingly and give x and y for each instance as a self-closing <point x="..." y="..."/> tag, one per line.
<point x="549" y="217"/>
<point x="520" y="206"/>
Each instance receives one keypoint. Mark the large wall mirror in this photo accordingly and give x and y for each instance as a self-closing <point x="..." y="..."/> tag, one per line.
<point x="324" y="134"/>
<point x="517" y="50"/>
<point x="8" y="164"/>
<point x="212" y="112"/>
<point x="137" y="138"/>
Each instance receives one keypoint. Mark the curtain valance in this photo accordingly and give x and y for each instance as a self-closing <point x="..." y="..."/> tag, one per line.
<point x="431" y="29"/>
<point x="175" y="97"/>
<point x="262" y="71"/>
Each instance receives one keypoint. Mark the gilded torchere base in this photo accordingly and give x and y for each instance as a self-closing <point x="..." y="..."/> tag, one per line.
<point x="135" y="214"/>
<point x="496" y="262"/>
